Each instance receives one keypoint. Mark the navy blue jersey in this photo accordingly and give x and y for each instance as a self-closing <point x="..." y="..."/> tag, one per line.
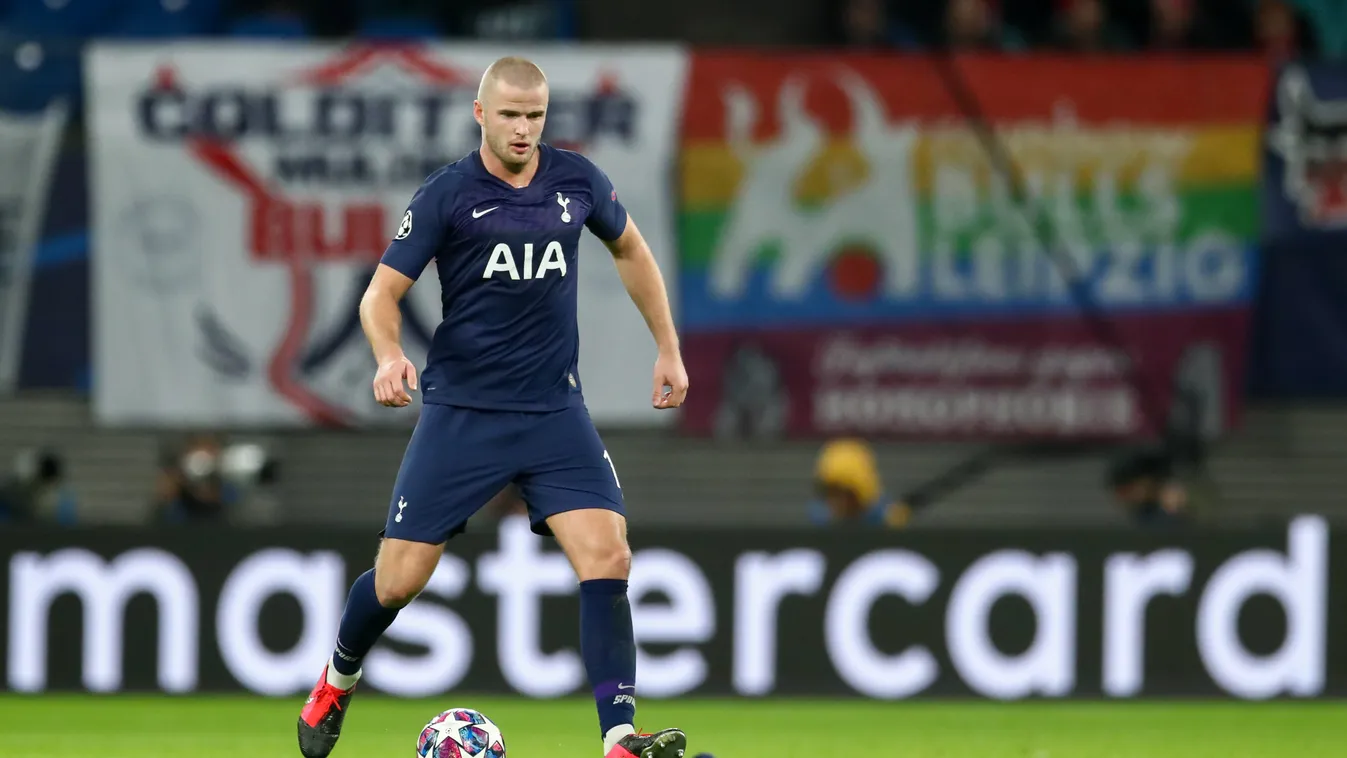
<point x="507" y="260"/>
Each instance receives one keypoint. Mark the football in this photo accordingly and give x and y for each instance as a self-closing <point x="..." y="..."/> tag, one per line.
<point x="460" y="733"/>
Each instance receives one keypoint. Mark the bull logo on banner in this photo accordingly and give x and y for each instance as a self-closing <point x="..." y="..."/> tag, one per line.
<point x="1310" y="135"/>
<point x="872" y="198"/>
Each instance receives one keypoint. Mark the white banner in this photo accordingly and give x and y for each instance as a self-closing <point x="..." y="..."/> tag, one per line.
<point x="242" y="195"/>
<point x="28" y="149"/>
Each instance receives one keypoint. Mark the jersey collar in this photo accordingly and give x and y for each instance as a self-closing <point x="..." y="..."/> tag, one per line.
<point x="534" y="187"/>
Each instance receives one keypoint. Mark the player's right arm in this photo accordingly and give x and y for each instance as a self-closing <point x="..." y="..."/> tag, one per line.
<point x="382" y="320"/>
<point x="415" y="245"/>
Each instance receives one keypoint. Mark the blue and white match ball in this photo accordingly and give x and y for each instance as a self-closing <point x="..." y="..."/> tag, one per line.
<point x="460" y="733"/>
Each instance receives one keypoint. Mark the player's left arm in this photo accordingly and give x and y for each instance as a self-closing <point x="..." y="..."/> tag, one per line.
<point x="641" y="276"/>
<point x="636" y="264"/>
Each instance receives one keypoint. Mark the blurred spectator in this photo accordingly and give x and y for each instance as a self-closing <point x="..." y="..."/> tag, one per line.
<point x="971" y="24"/>
<point x="753" y="400"/>
<point x="848" y="488"/>
<point x="278" y="19"/>
<point x="192" y="486"/>
<point x="869" y="24"/>
<point x="1144" y="485"/>
<point x="1171" y="22"/>
<point x="1083" y="26"/>
<point x="1176" y="25"/>
<point x="37" y="492"/>
<point x="864" y="23"/>
<point x="206" y="480"/>
<point x="253" y="474"/>
<point x="1280" y="31"/>
<point x="979" y="25"/>
<point x="514" y="20"/>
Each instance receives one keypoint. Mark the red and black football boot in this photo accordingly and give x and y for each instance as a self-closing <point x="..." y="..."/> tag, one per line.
<point x="670" y="743"/>
<point x="320" y="721"/>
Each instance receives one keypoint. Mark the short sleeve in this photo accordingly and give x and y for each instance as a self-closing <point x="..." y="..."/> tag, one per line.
<point x="608" y="219"/>
<point x="421" y="231"/>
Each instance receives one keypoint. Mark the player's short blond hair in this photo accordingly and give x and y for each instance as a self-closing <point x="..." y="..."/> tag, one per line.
<point x="513" y="70"/>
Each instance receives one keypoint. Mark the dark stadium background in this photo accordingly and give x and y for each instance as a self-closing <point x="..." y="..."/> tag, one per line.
<point x="1147" y="551"/>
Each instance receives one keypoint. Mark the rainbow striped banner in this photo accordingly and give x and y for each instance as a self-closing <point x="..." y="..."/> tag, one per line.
<point x="852" y="262"/>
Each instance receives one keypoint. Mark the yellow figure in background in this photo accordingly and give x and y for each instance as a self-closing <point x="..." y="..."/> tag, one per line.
<point x="848" y="488"/>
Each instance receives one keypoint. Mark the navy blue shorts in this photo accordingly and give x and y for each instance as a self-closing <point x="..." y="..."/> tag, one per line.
<point x="460" y="458"/>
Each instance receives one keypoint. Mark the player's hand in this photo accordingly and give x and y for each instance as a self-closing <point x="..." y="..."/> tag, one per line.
<point x="388" y="383"/>
<point x="671" y="381"/>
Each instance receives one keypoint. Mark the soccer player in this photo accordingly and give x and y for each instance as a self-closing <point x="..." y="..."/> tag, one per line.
<point x="502" y="394"/>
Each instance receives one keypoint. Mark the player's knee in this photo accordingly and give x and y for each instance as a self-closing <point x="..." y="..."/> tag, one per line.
<point x="396" y="587"/>
<point x="396" y="590"/>
<point x="611" y="561"/>
<point x="402" y="570"/>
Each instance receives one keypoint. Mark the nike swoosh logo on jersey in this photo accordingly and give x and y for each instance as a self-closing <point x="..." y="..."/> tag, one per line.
<point x="479" y="214"/>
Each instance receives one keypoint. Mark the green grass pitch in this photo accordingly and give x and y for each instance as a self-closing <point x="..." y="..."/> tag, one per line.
<point x="240" y="727"/>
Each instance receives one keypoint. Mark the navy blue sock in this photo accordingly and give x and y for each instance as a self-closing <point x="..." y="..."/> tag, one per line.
<point x="363" y="622"/>
<point x="608" y="646"/>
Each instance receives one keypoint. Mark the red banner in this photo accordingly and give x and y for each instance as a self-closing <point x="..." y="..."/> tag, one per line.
<point x="1046" y="377"/>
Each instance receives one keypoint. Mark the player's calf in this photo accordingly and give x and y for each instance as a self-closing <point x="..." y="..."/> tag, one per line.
<point x="595" y="542"/>
<point x="376" y="596"/>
